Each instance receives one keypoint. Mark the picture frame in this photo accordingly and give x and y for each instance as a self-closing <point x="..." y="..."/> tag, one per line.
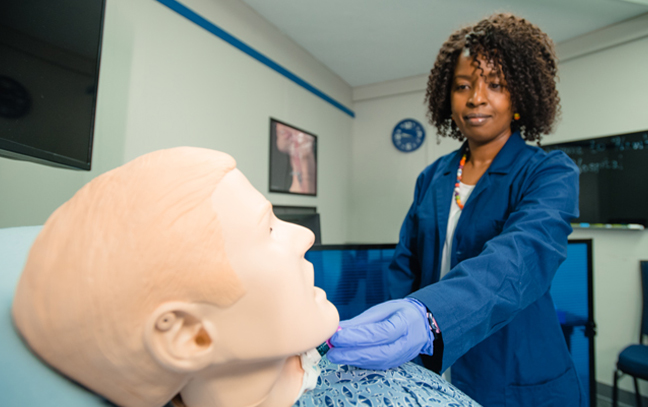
<point x="293" y="159"/>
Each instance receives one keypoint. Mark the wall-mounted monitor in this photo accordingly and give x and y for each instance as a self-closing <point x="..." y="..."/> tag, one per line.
<point x="613" y="172"/>
<point x="49" y="69"/>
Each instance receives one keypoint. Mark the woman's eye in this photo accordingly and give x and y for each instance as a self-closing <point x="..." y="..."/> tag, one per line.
<point x="461" y="87"/>
<point x="495" y="86"/>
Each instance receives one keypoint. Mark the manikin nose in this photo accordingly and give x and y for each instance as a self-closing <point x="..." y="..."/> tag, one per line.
<point x="308" y="237"/>
<point x="302" y="237"/>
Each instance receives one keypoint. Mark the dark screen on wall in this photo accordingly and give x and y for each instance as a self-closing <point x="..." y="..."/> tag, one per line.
<point x="613" y="177"/>
<point x="49" y="61"/>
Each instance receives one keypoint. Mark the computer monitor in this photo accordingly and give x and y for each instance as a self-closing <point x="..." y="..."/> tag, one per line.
<point x="354" y="277"/>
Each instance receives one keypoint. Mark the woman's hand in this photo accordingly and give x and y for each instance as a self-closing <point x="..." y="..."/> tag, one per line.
<point x="385" y="336"/>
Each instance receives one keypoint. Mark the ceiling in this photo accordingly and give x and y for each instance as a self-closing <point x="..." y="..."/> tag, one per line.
<point x="370" y="41"/>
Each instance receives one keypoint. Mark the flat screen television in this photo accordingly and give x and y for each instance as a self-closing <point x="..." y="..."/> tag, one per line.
<point x="49" y="70"/>
<point x="613" y="173"/>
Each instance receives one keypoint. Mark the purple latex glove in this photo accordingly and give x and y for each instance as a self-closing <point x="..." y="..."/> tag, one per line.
<point x="384" y="336"/>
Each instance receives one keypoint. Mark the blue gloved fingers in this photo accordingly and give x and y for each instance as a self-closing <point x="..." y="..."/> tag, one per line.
<point x="372" y="334"/>
<point x="380" y="357"/>
<point x="374" y="314"/>
<point x="385" y="336"/>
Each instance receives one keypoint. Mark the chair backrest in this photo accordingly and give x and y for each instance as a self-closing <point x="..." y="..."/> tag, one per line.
<point x="644" y="286"/>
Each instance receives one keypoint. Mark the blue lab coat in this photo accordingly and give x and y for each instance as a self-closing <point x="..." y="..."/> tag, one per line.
<point x="498" y="322"/>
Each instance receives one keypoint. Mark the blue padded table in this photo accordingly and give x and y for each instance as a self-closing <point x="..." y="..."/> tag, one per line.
<point x="24" y="379"/>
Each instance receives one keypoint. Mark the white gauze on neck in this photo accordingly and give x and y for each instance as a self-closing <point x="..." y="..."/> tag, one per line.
<point x="309" y="362"/>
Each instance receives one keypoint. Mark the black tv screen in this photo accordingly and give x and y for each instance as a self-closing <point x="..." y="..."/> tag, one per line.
<point x="613" y="174"/>
<point x="49" y="68"/>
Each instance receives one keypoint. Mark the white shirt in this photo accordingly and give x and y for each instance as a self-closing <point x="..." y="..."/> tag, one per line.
<point x="453" y="219"/>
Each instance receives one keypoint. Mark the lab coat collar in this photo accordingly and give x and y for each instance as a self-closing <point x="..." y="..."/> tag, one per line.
<point x="502" y="164"/>
<point x="452" y="164"/>
<point x="505" y="159"/>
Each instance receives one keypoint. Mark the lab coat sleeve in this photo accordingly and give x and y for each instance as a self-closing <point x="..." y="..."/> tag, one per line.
<point x="484" y="293"/>
<point x="404" y="270"/>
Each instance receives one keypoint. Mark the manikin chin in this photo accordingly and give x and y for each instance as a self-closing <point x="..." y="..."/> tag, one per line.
<point x="171" y="278"/>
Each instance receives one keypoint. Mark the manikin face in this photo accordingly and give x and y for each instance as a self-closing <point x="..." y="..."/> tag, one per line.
<point x="281" y="312"/>
<point x="480" y="101"/>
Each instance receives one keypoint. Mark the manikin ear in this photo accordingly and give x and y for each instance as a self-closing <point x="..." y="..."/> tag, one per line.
<point x="180" y="337"/>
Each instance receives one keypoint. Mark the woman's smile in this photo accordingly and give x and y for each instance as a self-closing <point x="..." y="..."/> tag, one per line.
<point x="476" y="119"/>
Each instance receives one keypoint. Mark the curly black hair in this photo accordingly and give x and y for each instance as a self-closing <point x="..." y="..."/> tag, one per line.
<point x="526" y="59"/>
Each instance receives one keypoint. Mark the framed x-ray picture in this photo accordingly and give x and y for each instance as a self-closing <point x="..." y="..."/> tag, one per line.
<point x="293" y="159"/>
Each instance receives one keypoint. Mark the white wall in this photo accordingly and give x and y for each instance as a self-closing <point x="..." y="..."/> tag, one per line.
<point x="603" y="93"/>
<point x="383" y="178"/>
<point x="165" y="82"/>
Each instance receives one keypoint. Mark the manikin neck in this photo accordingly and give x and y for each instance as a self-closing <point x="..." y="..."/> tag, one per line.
<point x="269" y="384"/>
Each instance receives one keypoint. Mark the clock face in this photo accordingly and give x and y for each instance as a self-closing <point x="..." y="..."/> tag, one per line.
<point x="408" y="135"/>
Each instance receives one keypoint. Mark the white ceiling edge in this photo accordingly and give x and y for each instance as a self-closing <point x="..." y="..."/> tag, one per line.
<point x="604" y="38"/>
<point x="616" y="34"/>
<point x="390" y="88"/>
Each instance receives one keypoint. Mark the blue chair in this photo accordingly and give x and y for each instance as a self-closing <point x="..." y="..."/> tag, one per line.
<point x="633" y="360"/>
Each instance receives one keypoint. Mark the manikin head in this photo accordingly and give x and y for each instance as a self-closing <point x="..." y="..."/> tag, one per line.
<point x="168" y="268"/>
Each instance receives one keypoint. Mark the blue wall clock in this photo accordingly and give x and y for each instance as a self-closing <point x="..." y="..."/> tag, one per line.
<point x="408" y="135"/>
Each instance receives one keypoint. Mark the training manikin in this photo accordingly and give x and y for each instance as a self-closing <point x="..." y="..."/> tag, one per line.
<point x="171" y="276"/>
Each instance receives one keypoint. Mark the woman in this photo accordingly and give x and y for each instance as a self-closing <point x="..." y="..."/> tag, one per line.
<point x="486" y="232"/>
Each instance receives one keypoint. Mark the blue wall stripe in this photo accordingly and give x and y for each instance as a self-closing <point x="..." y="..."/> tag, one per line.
<point x="229" y="38"/>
